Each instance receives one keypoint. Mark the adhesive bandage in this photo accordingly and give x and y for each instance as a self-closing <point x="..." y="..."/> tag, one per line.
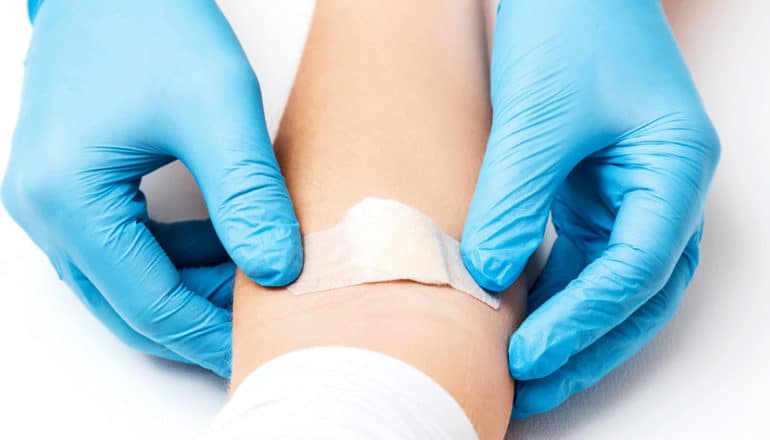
<point x="384" y="240"/>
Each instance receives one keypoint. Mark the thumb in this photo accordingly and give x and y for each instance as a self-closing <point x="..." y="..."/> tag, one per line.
<point x="543" y="124"/>
<point x="236" y="169"/>
<point x="508" y="214"/>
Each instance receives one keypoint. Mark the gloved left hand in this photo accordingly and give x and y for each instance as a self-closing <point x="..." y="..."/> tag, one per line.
<point x="597" y="121"/>
<point x="114" y="90"/>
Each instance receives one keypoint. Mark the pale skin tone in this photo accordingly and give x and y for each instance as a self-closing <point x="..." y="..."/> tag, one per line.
<point x="391" y="100"/>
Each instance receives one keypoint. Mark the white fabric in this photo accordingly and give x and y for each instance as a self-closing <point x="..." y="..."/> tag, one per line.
<point x="340" y="393"/>
<point x="384" y="240"/>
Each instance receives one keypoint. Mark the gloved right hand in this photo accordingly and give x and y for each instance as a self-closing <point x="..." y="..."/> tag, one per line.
<point x="114" y="90"/>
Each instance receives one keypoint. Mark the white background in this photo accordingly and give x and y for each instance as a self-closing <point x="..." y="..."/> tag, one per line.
<point x="707" y="375"/>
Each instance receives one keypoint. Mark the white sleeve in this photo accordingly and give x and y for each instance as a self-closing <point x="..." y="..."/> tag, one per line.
<point x="340" y="393"/>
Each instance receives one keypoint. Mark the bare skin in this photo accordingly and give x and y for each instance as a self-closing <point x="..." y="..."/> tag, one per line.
<point x="391" y="100"/>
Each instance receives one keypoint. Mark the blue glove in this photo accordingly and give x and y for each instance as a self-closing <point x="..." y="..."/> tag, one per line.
<point x="597" y="120"/>
<point x="114" y="90"/>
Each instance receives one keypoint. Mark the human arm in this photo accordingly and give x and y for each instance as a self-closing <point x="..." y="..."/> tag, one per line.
<point x="382" y="121"/>
<point x="593" y="100"/>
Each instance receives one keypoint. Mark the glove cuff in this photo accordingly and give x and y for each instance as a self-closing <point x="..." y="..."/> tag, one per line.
<point x="32" y="7"/>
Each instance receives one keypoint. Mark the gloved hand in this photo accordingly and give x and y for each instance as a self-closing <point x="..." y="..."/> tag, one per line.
<point x="596" y="119"/>
<point x="114" y="90"/>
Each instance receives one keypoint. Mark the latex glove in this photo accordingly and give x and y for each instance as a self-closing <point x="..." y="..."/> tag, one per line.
<point x="595" y="117"/>
<point x="114" y="90"/>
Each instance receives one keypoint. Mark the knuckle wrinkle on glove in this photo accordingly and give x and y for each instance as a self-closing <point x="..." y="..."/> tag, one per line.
<point x="635" y="270"/>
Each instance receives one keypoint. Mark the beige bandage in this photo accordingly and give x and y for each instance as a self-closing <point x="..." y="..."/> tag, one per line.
<point x="384" y="240"/>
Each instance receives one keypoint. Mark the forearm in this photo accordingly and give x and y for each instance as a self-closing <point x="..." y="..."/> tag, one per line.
<point x="401" y="111"/>
<point x="382" y="120"/>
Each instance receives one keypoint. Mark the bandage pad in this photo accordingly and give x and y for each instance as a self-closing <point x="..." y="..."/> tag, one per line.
<point x="384" y="240"/>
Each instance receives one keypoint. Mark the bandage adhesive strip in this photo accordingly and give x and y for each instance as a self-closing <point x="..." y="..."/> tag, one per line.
<point x="384" y="240"/>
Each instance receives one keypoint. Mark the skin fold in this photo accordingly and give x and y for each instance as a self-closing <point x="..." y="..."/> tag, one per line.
<point x="401" y="112"/>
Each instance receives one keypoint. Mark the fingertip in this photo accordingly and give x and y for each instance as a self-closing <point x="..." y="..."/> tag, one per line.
<point x="213" y="358"/>
<point x="520" y="364"/>
<point x="491" y="271"/>
<point x="535" y="352"/>
<point x="222" y="369"/>
<point x="219" y="359"/>
<point x="519" y="411"/>
<point x="276" y="259"/>
<point x="518" y="414"/>
<point x="534" y="398"/>
<point x="210" y="346"/>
